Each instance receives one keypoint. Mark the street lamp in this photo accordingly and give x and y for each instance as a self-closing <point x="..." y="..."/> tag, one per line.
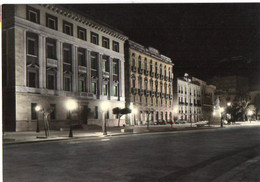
<point x="71" y="105"/>
<point x="38" y="108"/>
<point x="229" y="104"/>
<point x="104" y="108"/>
<point x="221" y="109"/>
<point x="249" y="113"/>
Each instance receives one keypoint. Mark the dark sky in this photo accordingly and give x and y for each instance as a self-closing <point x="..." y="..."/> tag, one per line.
<point x="195" y="36"/>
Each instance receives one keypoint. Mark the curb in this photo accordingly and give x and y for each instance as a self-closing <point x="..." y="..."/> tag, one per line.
<point x="186" y="129"/>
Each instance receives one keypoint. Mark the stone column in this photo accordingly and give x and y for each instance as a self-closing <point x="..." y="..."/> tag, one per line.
<point x="42" y="61"/>
<point x="111" y="81"/>
<point x="88" y="58"/>
<point x="74" y="69"/>
<point x="25" y="55"/>
<point x="122" y="78"/>
<point x="59" y="64"/>
<point x="100" y="76"/>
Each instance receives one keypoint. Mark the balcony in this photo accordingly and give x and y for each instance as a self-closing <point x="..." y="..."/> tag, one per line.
<point x="140" y="70"/>
<point x="82" y="69"/>
<point x="181" y="103"/>
<point x="134" y="91"/>
<point x="146" y="72"/>
<point x="161" y="77"/>
<point x="147" y="93"/>
<point x="186" y="103"/>
<point x="52" y="62"/>
<point x="133" y="69"/>
<point x="191" y="104"/>
<point x="151" y="74"/>
<point x="157" y="94"/>
<point x="156" y="75"/>
<point x="106" y="74"/>
<point x="152" y="93"/>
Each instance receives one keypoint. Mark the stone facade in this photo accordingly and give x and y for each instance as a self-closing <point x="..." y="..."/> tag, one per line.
<point x="52" y="54"/>
<point x="149" y="79"/>
<point x="187" y="99"/>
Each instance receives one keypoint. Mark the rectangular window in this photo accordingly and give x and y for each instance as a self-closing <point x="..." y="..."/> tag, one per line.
<point x="51" y="48"/>
<point x="67" y="28"/>
<point x="32" y="79"/>
<point x="67" y="56"/>
<point x="94" y="64"/>
<point x="96" y="112"/>
<point x="51" y="84"/>
<point x="81" y="57"/>
<point x="51" y="22"/>
<point x="94" y="87"/>
<point x="82" y="33"/>
<point x="82" y="85"/>
<point x="105" y="89"/>
<point x="115" y="66"/>
<point x="94" y="38"/>
<point x="105" y="42"/>
<point x="33" y="111"/>
<point x="53" y="113"/>
<point x="115" y="46"/>
<point x="67" y="83"/>
<point x="105" y="63"/>
<point x="115" y="90"/>
<point x="32" y="14"/>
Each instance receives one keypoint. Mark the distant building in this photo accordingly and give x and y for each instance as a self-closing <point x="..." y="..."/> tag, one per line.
<point x="207" y="99"/>
<point x="51" y="54"/>
<point x="148" y="81"/>
<point x="228" y="87"/>
<point x="187" y="99"/>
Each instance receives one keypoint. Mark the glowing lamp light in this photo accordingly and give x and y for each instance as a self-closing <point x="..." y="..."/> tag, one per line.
<point x="131" y="106"/>
<point x="214" y="113"/>
<point x="71" y="105"/>
<point x="135" y="111"/>
<point x="38" y="108"/>
<point x="221" y="109"/>
<point x="175" y="110"/>
<point x="229" y="104"/>
<point x="250" y="113"/>
<point x="104" y="106"/>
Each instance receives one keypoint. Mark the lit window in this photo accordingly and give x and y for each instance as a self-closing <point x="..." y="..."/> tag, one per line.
<point x="115" y="46"/>
<point x="51" y="48"/>
<point x="105" y="42"/>
<point x="105" y="89"/>
<point x="33" y="111"/>
<point x="82" y="85"/>
<point x="115" y="90"/>
<point x="94" y="38"/>
<point x="67" y="28"/>
<point x="81" y="57"/>
<point x="94" y="87"/>
<point x="51" y="22"/>
<point x="82" y="33"/>
<point x="33" y="14"/>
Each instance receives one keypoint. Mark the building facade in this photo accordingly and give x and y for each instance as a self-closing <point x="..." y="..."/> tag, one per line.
<point x="148" y="80"/>
<point x="187" y="99"/>
<point x="52" y="54"/>
<point x="207" y="99"/>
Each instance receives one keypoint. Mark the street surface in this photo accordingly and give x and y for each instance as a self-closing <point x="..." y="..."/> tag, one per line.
<point x="229" y="154"/>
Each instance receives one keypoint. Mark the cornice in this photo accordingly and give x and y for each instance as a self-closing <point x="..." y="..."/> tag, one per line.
<point x="152" y="52"/>
<point x="77" y="17"/>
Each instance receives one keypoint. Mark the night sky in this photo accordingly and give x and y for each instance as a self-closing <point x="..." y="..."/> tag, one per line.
<point x="204" y="40"/>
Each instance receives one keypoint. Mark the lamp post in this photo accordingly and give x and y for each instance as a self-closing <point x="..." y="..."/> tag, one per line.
<point x="134" y="112"/>
<point x="71" y="105"/>
<point x="249" y="113"/>
<point x="221" y="109"/>
<point x="38" y="108"/>
<point x="104" y="109"/>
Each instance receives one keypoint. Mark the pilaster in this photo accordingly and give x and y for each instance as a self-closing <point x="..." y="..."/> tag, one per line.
<point x="88" y="79"/>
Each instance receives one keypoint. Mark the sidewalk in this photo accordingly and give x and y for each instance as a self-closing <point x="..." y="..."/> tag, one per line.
<point x="96" y="131"/>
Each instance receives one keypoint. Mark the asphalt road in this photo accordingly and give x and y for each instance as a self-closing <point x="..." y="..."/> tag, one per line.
<point x="230" y="154"/>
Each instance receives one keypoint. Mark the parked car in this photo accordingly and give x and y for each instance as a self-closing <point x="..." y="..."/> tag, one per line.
<point x="170" y="122"/>
<point x="180" y="121"/>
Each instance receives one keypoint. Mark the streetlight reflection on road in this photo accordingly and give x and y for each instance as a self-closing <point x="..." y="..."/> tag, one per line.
<point x="104" y="108"/>
<point x="71" y="105"/>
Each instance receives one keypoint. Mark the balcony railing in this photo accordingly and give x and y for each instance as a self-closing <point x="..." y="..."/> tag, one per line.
<point x="156" y="75"/>
<point x="140" y="71"/>
<point x="134" y="91"/>
<point x="82" y="69"/>
<point x="161" y="77"/>
<point x="157" y="94"/>
<point x="133" y="69"/>
<point x="146" y="72"/>
<point x="151" y="74"/>
<point x="147" y="93"/>
<point x="170" y="96"/>
<point x="106" y="74"/>
<point x="165" y="78"/>
<point x="52" y="62"/>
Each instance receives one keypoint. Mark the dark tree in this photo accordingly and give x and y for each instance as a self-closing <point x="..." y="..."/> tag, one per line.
<point x="257" y="105"/>
<point x="120" y="112"/>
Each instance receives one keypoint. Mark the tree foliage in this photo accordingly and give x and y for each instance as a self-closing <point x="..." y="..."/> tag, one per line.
<point x="120" y="112"/>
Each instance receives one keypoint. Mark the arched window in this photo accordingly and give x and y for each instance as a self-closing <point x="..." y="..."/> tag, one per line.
<point x="145" y="64"/>
<point x="140" y="62"/>
<point x="133" y="59"/>
<point x="151" y="84"/>
<point x="161" y="69"/>
<point x="165" y="88"/>
<point x="169" y="72"/>
<point x="156" y="68"/>
<point x="151" y="66"/>
<point x="165" y="71"/>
